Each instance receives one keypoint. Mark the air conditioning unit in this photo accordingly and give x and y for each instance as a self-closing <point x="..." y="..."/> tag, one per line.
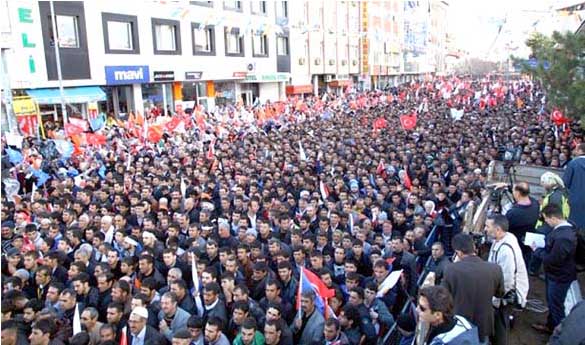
<point x="301" y="61"/>
<point x="343" y="62"/>
<point x="328" y="78"/>
<point x="331" y="62"/>
<point x="317" y="61"/>
<point x="251" y="67"/>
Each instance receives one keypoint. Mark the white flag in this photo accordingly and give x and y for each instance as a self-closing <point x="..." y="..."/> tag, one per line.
<point x="76" y="320"/>
<point x="183" y="187"/>
<point x="196" y="293"/>
<point x="388" y="283"/>
<point x="32" y="194"/>
<point x="456" y="114"/>
<point x="302" y="152"/>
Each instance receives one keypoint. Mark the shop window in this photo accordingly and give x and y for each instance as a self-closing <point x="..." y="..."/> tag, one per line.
<point x="233" y="5"/>
<point x="120" y="33"/>
<point x="67" y="31"/>
<point x="167" y="36"/>
<point x="234" y="43"/>
<point x="203" y="39"/>
<point x="259" y="45"/>
<point x="282" y="45"/>
<point x="258" y="7"/>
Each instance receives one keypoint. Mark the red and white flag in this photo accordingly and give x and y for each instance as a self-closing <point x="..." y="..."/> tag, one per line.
<point x="324" y="191"/>
<point x="211" y="150"/>
<point x="408" y="122"/>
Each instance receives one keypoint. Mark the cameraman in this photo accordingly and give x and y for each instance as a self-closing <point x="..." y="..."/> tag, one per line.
<point x="505" y="251"/>
<point x="523" y="215"/>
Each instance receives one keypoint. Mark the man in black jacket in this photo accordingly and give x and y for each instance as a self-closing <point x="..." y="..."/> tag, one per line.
<point x="523" y="216"/>
<point x="139" y="332"/>
<point x="558" y="257"/>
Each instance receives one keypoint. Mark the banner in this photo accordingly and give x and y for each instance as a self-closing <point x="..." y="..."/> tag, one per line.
<point x="27" y="115"/>
<point x="92" y="110"/>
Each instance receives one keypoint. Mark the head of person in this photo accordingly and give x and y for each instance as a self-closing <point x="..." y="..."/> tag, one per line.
<point x="332" y="329"/>
<point x="308" y="302"/>
<point x="521" y="191"/>
<point x="41" y="332"/>
<point x="272" y="332"/>
<point x="67" y="299"/>
<point x="213" y="329"/>
<point x="168" y="303"/>
<point x="248" y="331"/>
<point x="89" y="318"/>
<point x="114" y="313"/>
<point x="552" y="215"/>
<point x="137" y="320"/>
<point x="211" y="293"/>
<point x="181" y="337"/>
<point x="435" y="305"/>
<point x="108" y="332"/>
<point x="437" y="250"/>
<point x="10" y="330"/>
<point x="195" y="326"/>
<point x="496" y="226"/>
<point x="463" y="245"/>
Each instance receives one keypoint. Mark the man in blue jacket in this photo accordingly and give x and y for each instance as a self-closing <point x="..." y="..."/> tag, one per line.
<point x="574" y="179"/>
<point x="558" y="257"/>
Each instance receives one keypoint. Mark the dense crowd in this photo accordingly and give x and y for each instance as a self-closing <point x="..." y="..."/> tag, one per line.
<point x="283" y="223"/>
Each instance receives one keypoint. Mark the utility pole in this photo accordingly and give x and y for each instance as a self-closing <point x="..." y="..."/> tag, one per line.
<point x="58" y="59"/>
<point x="7" y="95"/>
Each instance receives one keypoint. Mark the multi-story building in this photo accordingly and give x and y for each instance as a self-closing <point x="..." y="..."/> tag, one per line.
<point x="161" y="54"/>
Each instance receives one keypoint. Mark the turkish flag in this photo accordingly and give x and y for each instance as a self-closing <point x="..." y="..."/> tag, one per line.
<point x="154" y="133"/>
<point x="558" y="117"/>
<point x="173" y="124"/>
<point x="408" y="122"/>
<point x="380" y="123"/>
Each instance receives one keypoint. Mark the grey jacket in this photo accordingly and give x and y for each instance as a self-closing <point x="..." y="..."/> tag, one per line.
<point x="179" y="322"/>
<point x="313" y="330"/>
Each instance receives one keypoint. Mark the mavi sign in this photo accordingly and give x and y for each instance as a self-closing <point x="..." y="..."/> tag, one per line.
<point x="124" y="75"/>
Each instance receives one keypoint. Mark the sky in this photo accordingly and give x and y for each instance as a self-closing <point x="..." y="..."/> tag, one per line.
<point x="475" y="24"/>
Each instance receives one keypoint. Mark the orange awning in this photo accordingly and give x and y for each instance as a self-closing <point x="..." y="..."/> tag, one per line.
<point x="298" y="89"/>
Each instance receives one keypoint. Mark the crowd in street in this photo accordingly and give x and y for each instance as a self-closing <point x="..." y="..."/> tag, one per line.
<point x="306" y="221"/>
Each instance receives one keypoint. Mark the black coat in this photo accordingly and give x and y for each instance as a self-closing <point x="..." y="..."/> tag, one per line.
<point x="558" y="255"/>
<point x="473" y="282"/>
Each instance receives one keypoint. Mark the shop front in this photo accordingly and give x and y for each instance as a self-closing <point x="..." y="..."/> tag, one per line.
<point x="263" y="87"/>
<point x="83" y="102"/>
<point x="158" y="96"/>
<point x="123" y="90"/>
<point x="197" y="91"/>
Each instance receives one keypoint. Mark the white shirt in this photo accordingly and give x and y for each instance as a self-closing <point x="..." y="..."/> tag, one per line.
<point x="139" y="338"/>
<point x="504" y="257"/>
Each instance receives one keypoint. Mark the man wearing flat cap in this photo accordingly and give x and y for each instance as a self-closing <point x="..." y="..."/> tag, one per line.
<point x="139" y="332"/>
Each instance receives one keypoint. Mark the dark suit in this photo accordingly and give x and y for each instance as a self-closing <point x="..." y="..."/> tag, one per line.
<point x="218" y="311"/>
<point x="152" y="336"/>
<point x="473" y="282"/>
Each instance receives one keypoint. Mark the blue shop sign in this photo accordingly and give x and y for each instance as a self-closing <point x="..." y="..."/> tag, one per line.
<point x="124" y="75"/>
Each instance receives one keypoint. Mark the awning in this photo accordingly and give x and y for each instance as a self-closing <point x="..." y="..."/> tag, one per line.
<point x="299" y="89"/>
<point x="83" y="94"/>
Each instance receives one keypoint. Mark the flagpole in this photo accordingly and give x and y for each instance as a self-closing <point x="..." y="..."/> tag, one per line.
<point x="299" y="312"/>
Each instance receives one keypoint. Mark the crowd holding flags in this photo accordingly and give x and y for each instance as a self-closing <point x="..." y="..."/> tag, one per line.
<point x="310" y="281"/>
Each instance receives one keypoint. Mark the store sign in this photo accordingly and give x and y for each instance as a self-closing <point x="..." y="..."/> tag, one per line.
<point x="124" y="75"/>
<point x="27" y="115"/>
<point x="240" y="74"/>
<point x="273" y="77"/>
<point x="193" y="75"/>
<point x="163" y="75"/>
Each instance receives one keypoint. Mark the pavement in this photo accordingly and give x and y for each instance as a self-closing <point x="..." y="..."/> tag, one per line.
<point x="523" y="333"/>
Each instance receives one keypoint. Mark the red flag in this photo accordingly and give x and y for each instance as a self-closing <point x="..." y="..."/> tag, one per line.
<point x="381" y="169"/>
<point x="558" y="117"/>
<point x="123" y="337"/>
<point x="95" y="139"/>
<point x="211" y="150"/>
<point x="171" y="125"/>
<point x="408" y="122"/>
<point x="407" y="182"/>
<point x="380" y="123"/>
<point x="72" y="129"/>
<point x="154" y="133"/>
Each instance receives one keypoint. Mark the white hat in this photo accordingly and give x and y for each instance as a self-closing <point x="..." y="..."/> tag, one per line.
<point x="140" y="311"/>
<point x="130" y="241"/>
<point x="148" y="234"/>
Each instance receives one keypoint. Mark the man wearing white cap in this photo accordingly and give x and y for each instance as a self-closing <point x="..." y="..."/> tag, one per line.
<point x="139" y="331"/>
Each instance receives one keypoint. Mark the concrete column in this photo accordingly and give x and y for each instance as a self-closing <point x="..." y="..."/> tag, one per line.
<point x="316" y="85"/>
<point x="137" y="98"/>
<point x="116" y="101"/>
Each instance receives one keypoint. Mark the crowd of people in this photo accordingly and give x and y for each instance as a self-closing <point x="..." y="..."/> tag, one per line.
<point x="207" y="232"/>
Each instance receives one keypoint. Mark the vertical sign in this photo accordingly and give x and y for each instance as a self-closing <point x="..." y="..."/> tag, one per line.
<point x="27" y="115"/>
<point x="365" y="40"/>
<point x="92" y="110"/>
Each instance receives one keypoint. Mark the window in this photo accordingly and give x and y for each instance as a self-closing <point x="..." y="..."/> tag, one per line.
<point x="120" y="33"/>
<point x="281" y="45"/>
<point x="234" y="43"/>
<point x="281" y="9"/>
<point x="67" y="31"/>
<point x="258" y="7"/>
<point x="233" y="5"/>
<point x="203" y="39"/>
<point x="166" y="36"/>
<point x="259" y="45"/>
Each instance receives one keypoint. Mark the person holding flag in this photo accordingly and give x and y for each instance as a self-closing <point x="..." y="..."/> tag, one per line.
<point x="309" y="323"/>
